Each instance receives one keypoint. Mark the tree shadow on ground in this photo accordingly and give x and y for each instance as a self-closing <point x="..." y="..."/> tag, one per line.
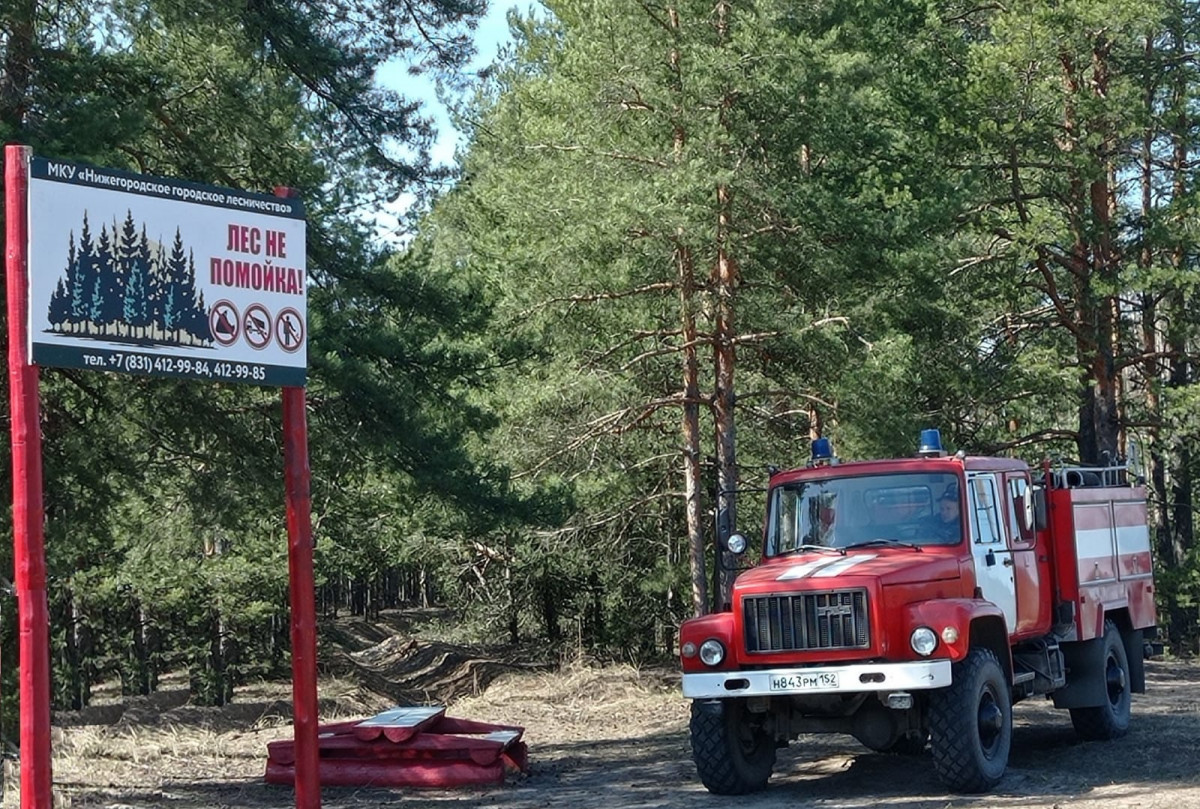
<point x="1048" y="764"/>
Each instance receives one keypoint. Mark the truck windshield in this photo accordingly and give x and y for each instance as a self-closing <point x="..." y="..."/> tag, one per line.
<point x="914" y="508"/>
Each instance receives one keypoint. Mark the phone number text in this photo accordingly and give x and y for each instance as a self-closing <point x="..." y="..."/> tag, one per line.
<point x="176" y="366"/>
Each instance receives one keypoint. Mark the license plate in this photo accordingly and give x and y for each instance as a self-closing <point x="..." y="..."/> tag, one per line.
<point x="820" y="680"/>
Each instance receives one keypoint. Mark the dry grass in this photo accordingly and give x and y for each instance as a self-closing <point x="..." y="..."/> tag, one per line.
<point x="133" y="763"/>
<point x="581" y="701"/>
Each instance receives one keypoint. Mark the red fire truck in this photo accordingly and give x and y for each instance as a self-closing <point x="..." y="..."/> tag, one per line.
<point x="911" y="602"/>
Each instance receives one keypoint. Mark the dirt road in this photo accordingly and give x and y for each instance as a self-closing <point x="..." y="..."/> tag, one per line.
<point x="616" y="738"/>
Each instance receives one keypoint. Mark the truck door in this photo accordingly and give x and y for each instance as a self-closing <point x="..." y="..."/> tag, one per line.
<point x="993" y="559"/>
<point x="1033" y="599"/>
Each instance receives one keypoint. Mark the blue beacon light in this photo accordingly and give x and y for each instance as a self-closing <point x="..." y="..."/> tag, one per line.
<point x="931" y="443"/>
<point x="822" y="450"/>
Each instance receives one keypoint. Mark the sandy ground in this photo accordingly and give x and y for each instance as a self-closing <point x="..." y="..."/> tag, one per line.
<point x="601" y="738"/>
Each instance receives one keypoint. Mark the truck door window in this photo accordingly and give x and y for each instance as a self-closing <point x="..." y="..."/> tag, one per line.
<point x="984" y="517"/>
<point x="1020" y="509"/>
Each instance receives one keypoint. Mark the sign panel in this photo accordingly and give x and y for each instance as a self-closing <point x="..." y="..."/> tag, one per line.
<point x="148" y="275"/>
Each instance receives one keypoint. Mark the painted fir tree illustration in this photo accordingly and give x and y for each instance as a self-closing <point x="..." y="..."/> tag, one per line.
<point x="121" y="286"/>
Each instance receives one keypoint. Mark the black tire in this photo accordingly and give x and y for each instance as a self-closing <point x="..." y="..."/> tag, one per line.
<point x="1110" y="720"/>
<point x="733" y="752"/>
<point x="970" y="724"/>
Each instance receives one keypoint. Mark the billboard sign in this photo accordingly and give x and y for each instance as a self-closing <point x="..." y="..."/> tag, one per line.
<point x="154" y="276"/>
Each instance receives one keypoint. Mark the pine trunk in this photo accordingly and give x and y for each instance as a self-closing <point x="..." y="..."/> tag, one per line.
<point x="691" y="431"/>
<point x="725" y="278"/>
<point x="723" y="401"/>
<point x="690" y="428"/>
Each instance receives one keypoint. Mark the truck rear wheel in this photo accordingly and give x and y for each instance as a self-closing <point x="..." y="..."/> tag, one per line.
<point x="733" y="751"/>
<point x="970" y="724"/>
<point x="1110" y="720"/>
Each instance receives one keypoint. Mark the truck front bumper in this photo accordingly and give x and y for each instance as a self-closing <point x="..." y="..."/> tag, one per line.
<point x="914" y="676"/>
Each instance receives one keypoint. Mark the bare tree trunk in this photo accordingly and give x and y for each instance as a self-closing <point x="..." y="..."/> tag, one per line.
<point x="1093" y="266"/>
<point x="150" y="645"/>
<point x="514" y="618"/>
<point x="1159" y="514"/>
<point x="724" y="285"/>
<point x="79" y="654"/>
<point x="723" y="401"/>
<point x="1182" y="515"/>
<point x="686" y="276"/>
<point x="691" y="430"/>
<point x="1107" y="326"/>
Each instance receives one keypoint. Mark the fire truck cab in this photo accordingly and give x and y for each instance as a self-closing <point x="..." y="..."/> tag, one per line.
<point x="911" y="602"/>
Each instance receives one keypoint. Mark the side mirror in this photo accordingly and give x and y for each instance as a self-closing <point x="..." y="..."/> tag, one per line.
<point x="1040" y="519"/>
<point x="736" y="543"/>
<point x="1022" y="502"/>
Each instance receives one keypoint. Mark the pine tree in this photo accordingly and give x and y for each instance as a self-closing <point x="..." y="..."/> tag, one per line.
<point x="82" y="280"/>
<point x="60" y="306"/>
<point x="60" y="300"/>
<point x="136" y="308"/>
<point x="111" y="280"/>
<point x="193" y="312"/>
<point x="175" y="300"/>
<point x="155" y="287"/>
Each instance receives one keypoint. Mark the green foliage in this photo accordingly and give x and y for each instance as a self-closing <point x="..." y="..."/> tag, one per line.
<point x="165" y="533"/>
<point x="934" y="215"/>
<point x="596" y="158"/>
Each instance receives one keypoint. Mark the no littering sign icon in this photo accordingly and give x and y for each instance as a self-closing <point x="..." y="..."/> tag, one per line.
<point x="289" y="330"/>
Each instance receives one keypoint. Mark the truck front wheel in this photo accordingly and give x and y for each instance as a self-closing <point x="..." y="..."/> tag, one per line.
<point x="732" y="749"/>
<point x="970" y="724"/>
<point x="1111" y="719"/>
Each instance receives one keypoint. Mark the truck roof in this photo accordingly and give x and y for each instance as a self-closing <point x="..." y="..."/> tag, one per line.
<point x="948" y="463"/>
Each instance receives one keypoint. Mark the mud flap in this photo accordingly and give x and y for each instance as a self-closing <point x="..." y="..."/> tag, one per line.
<point x="1086" y="687"/>
<point x="1134" y="643"/>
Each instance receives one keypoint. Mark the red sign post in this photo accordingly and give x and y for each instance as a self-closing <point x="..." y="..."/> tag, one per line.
<point x="29" y="557"/>
<point x="296" y="478"/>
<point x="28" y="514"/>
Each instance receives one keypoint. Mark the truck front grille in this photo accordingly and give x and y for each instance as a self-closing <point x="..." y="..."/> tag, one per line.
<point x="829" y="620"/>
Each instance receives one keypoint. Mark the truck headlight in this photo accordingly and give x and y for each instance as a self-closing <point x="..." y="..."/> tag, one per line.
<point x="712" y="652"/>
<point x="923" y="641"/>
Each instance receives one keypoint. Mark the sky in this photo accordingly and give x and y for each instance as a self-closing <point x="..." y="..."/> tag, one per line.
<point x="491" y="35"/>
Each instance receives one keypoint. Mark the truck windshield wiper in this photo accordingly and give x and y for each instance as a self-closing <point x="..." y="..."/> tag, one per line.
<point x="825" y="548"/>
<point x="883" y="541"/>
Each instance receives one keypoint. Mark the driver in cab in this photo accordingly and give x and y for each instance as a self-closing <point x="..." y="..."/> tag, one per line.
<point x="946" y="526"/>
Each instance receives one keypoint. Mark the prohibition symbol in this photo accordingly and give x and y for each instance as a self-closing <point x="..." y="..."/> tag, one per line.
<point x="289" y="330"/>
<point x="224" y="323"/>
<point x="258" y="326"/>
